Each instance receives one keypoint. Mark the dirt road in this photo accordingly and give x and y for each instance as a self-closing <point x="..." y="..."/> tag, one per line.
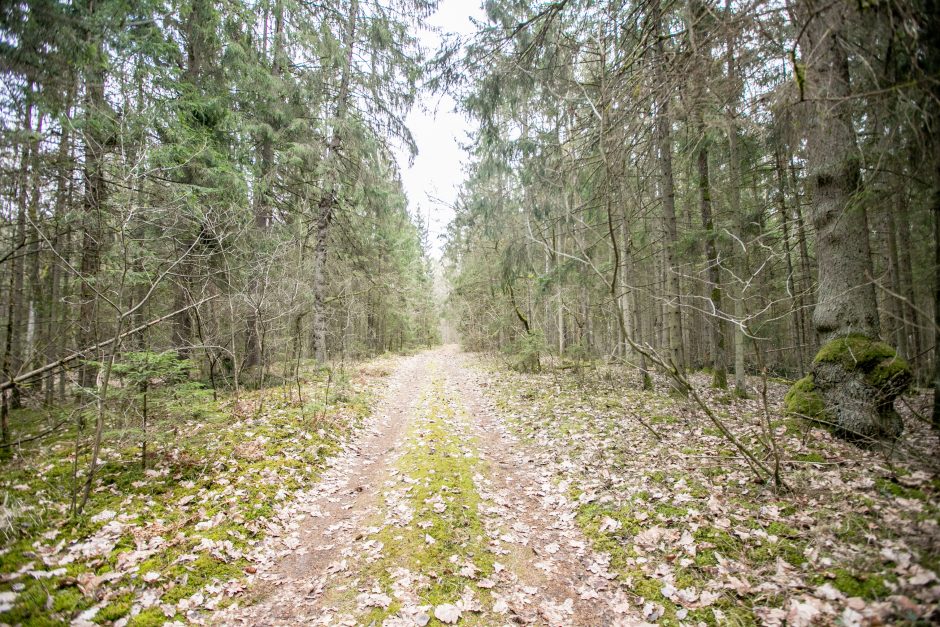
<point x="434" y="514"/>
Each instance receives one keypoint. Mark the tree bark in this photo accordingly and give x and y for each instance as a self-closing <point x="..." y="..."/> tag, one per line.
<point x="796" y="297"/>
<point x="673" y="324"/>
<point x="716" y="336"/>
<point x="847" y="303"/>
<point x="846" y="315"/>
<point x="330" y="198"/>
<point x="94" y="197"/>
<point x="936" y="302"/>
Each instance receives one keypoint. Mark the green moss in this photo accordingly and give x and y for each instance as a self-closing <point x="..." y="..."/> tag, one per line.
<point x="68" y="600"/>
<point x="787" y="550"/>
<point x="15" y="556"/>
<point x="199" y="573"/>
<point x="852" y="528"/>
<point x="30" y="605"/>
<point x="719" y="540"/>
<point x="663" y="419"/>
<point x="893" y="372"/>
<point x="782" y="530"/>
<point x="802" y="400"/>
<point x="152" y="617"/>
<point x="878" y="361"/>
<point x="117" y="608"/>
<point x="441" y="461"/>
<point x="809" y="457"/>
<point x="667" y="511"/>
<point x="869" y="587"/>
<point x="854" y="352"/>
<point x="886" y="486"/>
<point x="619" y="545"/>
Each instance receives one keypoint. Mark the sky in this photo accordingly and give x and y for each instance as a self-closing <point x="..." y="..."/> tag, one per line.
<point x="432" y="181"/>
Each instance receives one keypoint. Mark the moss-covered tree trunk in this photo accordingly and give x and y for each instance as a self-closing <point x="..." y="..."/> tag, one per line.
<point x="854" y="378"/>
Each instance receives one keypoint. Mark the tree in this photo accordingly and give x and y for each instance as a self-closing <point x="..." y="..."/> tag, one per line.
<point x="857" y="376"/>
<point x="143" y="370"/>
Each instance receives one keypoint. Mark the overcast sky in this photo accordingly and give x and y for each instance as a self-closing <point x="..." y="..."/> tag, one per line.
<point x="437" y="129"/>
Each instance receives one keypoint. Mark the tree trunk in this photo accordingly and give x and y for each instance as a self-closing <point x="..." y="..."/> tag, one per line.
<point x="13" y="356"/>
<point x="330" y="198"/>
<point x="899" y="308"/>
<point x="734" y="184"/>
<point x="53" y="344"/>
<point x="847" y="303"/>
<point x="796" y="299"/>
<point x="262" y="205"/>
<point x="807" y="300"/>
<point x="95" y="194"/>
<point x="936" y="302"/>
<point x="673" y="325"/>
<point x="846" y="314"/>
<point x="912" y="320"/>
<point x="716" y="336"/>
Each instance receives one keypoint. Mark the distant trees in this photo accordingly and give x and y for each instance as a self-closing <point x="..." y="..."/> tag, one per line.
<point x="751" y="172"/>
<point x="232" y="165"/>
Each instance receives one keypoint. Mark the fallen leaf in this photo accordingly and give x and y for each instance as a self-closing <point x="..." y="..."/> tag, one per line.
<point x="447" y="613"/>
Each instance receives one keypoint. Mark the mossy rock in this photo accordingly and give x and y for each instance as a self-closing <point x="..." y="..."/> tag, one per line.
<point x="804" y="401"/>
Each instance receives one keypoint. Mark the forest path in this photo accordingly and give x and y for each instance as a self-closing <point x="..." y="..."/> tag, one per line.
<point x="434" y="514"/>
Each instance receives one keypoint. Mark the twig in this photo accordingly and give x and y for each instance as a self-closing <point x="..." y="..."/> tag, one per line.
<point x="648" y="426"/>
<point x="9" y="383"/>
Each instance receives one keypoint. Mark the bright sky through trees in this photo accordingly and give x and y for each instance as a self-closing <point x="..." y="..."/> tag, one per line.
<point x="432" y="181"/>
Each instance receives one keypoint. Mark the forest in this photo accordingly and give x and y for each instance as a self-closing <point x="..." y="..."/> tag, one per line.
<point x="672" y="360"/>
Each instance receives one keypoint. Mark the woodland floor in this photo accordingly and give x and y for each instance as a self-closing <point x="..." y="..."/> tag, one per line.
<point x="445" y="488"/>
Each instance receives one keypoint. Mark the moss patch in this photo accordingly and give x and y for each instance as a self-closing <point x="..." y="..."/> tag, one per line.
<point x="437" y="471"/>
<point x="804" y="401"/>
<point x="877" y="360"/>
<point x="852" y="584"/>
<point x="217" y="473"/>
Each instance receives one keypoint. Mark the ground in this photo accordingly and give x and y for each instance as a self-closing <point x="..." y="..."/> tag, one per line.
<point x="445" y="488"/>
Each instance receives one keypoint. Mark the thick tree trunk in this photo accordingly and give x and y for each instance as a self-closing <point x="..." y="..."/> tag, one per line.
<point x="847" y="303"/>
<point x="850" y="371"/>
